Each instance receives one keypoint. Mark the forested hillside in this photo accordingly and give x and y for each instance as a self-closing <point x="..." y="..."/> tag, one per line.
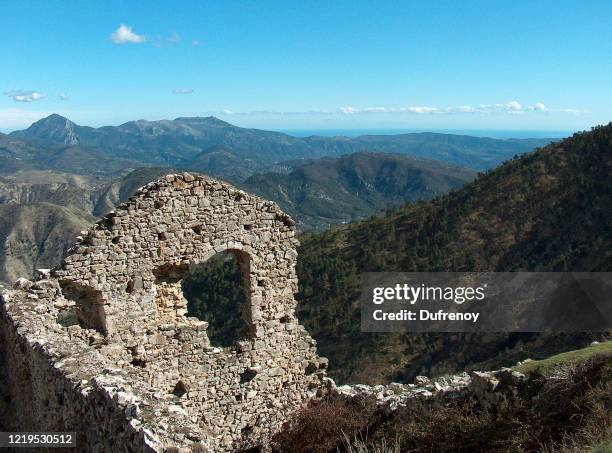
<point x="549" y="210"/>
<point x="329" y="191"/>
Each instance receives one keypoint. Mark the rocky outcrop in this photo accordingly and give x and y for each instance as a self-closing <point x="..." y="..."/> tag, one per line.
<point x="35" y="236"/>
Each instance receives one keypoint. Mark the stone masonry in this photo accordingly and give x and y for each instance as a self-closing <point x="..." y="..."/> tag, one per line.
<point x="103" y="346"/>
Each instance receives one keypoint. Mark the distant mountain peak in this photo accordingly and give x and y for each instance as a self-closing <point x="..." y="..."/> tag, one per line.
<point x="54" y="117"/>
<point x="54" y="120"/>
<point x="55" y="128"/>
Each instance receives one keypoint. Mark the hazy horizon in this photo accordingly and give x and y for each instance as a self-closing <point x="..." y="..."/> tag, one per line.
<point x="354" y="132"/>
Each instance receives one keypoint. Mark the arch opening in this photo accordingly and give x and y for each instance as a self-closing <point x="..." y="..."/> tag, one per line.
<point x="218" y="292"/>
<point x="89" y="310"/>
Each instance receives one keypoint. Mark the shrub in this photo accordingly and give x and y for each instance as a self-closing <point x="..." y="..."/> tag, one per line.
<point x="569" y="411"/>
<point x="324" y="425"/>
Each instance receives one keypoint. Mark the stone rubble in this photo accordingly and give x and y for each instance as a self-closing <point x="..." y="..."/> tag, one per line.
<point x="482" y="385"/>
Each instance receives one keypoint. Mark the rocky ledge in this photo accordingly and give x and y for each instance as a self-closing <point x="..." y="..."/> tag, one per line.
<point x="486" y="386"/>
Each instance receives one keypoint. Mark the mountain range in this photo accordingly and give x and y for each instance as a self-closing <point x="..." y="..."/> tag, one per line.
<point x="216" y="147"/>
<point x="331" y="191"/>
<point x="321" y="181"/>
<point x="18" y="155"/>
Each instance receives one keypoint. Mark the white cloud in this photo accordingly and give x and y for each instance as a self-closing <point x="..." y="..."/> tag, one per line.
<point x="24" y="95"/>
<point x="508" y="108"/>
<point x="374" y="110"/>
<point x="124" y="34"/>
<point x="419" y="110"/>
<point x="195" y="42"/>
<point x="513" y="106"/>
<point x="422" y="109"/>
<point x="461" y="109"/>
<point x="63" y="97"/>
<point x="415" y="109"/>
<point x="572" y="111"/>
<point x="182" y="91"/>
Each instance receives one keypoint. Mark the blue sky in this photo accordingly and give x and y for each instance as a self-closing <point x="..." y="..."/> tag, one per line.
<point x="540" y="65"/>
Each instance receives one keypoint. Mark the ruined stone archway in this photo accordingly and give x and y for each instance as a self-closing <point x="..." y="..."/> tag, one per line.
<point x="218" y="292"/>
<point x="133" y="260"/>
<point x="174" y="223"/>
<point x="88" y="306"/>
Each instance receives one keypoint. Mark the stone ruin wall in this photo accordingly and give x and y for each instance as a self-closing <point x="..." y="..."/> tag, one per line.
<point x="103" y="345"/>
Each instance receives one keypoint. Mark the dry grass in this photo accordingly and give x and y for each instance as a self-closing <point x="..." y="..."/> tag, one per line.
<point x="359" y="445"/>
<point x="570" y="411"/>
<point x="325" y="425"/>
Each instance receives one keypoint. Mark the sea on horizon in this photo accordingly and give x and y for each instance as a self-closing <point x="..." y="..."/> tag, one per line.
<point x="499" y="134"/>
